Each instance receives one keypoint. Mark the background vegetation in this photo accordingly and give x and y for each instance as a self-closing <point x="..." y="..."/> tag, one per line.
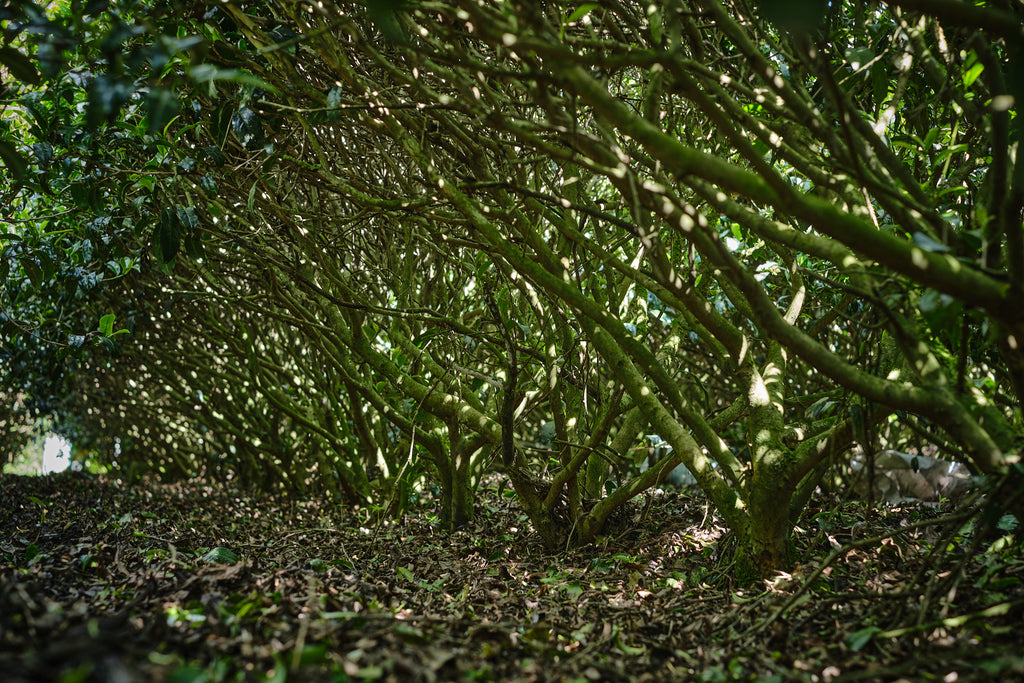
<point x="381" y="250"/>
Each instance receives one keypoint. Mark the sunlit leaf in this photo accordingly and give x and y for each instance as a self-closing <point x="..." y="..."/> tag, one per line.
<point x="581" y="11"/>
<point x="248" y="128"/>
<point x="251" y="200"/>
<point x="208" y="73"/>
<point x="221" y="556"/>
<point x="334" y="97"/>
<point x="820" y="407"/>
<point x="107" y="324"/>
<point x="971" y="73"/>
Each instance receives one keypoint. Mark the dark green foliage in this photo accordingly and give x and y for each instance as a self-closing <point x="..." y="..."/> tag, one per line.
<point x="801" y="16"/>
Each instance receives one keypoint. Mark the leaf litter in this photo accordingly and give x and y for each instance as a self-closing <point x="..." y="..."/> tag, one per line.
<point x="194" y="582"/>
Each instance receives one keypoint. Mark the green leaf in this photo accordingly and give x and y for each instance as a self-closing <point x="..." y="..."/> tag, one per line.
<point x="628" y="649"/>
<point x="221" y="556"/>
<point x="208" y="73"/>
<point x="163" y="106"/>
<point x="251" y="202"/>
<point x="947" y="152"/>
<point x="859" y="56"/>
<point x="248" y="128"/>
<point x="654" y="19"/>
<point x="46" y="264"/>
<point x="858" y="640"/>
<point x="858" y="419"/>
<point x="107" y="325"/>
<point x="880" y="81"/>
<point x="146" y="182"/>
<point x="280" y="671"/>
<point x="928" y="244"/>
<point x="80" y="195"/>
<point x="35" y="275"/>
<point x="107" y="94"/>
<point x="168" y="236"/>
<point x="384" y="15"/>
<point x="189" y="674"/>
<point x="19" y="65"/>
<point x="972" y="73"/>
<point x="208" y="184"/>
<point x="819" y="407"/>
<point x="214" y="154"/>
<point x="13" y="160"/>
<point x="334" y="97"/>
<point x="187" y="217"/>
<point x="799" y="16"/>
<point x="313" y="654"/>
<point x="406" y="574"/>
<point x="194" y="246"/>
<point x="929" y="301"/>
<point x="220" y="124"/>
<point x="581" y="11"/>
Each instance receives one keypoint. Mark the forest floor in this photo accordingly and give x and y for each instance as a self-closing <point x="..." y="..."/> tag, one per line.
<point x="192" y="582"/>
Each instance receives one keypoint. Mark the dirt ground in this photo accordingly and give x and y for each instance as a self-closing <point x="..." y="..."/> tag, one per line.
<point x="193" y="582"/>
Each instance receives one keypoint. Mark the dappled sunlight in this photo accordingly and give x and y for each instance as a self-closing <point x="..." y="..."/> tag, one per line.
<point x="56" y="454"/>
<point x="757" y="394"/>
<point x="392" y="322"/>
<point x="249" y="576"/>
<point x="918" y="258"/>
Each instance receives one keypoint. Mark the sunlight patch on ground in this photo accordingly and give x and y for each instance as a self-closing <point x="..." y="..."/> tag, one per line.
<point x="56" y="452"/>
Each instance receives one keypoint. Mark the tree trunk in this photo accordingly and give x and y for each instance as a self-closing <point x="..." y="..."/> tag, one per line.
<point x="456" y="502"/>
<point x="532" y="494"/>
<point x="763" y="546"/>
